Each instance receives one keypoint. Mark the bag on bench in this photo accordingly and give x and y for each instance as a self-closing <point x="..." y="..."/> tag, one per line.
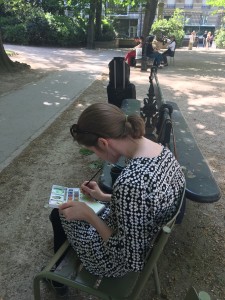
<point x="119" y="87"/>
<point x="116" y="96"/>
<point x="119" y="72"/>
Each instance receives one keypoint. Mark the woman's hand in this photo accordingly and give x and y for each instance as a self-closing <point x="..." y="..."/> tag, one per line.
<point x="75" y="210"/>
<point x="93" y="190"/>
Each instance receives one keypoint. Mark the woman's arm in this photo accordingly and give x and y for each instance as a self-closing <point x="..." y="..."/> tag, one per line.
<point x="103" y="229"/>
<point x="93" y="190"/>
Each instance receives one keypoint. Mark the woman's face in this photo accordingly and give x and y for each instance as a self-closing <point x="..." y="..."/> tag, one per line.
<point x="106" y="152"/>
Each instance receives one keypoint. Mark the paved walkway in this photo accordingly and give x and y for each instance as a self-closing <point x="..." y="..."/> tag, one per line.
<point x="25" y="113"/>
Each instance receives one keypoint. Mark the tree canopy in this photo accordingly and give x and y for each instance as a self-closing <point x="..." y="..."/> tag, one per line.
<point x="45" y="21"/>
<point x="216" y="3"/>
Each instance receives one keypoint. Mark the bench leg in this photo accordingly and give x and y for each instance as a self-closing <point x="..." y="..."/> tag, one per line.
<point x="156" y="278"/>
<point x="37" y="289"/>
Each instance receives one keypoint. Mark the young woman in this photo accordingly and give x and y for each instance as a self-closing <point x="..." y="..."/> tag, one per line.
<point x="170" y="50"/>
<point x="145" y="196"/>
<point x="151" y="52"/>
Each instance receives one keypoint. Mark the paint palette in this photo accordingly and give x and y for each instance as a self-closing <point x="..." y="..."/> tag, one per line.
<point x="61" y="194"/>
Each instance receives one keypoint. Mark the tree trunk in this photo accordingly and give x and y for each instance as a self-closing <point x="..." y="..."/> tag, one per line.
<point x="150" y="12"/>
<point x="6" y="64"/>
<point x="98" y="22"/>
<point x="91" y="26"/>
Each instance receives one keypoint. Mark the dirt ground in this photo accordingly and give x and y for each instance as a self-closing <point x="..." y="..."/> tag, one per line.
<point x="195" y="253"/>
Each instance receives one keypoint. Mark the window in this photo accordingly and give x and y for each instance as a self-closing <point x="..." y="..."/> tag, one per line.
<point x="171" y="4"/>
<point x="132" y="31"/>
<point x="188" y="4"/>
<point x="204" y="5"/>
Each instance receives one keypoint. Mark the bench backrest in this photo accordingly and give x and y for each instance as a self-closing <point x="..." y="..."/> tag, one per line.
<point x="156" y="112"/>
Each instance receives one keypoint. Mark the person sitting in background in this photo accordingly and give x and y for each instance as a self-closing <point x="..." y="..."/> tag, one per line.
<point x="151" y="52"/>
<point x="130" y="56"/>
<point x="170" y="51"/>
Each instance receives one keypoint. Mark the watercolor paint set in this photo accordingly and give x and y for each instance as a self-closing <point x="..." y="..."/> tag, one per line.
<point x="61" y="194"/>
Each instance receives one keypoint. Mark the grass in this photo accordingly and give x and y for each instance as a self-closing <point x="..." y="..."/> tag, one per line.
<point x="10" y="53"/>
<point x="85" y="152"/>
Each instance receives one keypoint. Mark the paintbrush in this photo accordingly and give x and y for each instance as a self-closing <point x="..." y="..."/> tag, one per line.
<point x="93" y="176"/>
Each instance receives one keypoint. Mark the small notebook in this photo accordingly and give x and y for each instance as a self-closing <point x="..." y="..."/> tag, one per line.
<point x="61" y="194"/>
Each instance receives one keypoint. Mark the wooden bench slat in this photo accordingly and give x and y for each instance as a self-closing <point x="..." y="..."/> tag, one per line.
<point x="201" y="184"/>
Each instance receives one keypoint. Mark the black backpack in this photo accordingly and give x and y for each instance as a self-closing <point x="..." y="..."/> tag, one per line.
<point x="119" y="73"/>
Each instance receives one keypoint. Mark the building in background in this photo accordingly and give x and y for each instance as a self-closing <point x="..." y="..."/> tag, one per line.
<point x="197" y="16"/>
<point x="128" y="20"/>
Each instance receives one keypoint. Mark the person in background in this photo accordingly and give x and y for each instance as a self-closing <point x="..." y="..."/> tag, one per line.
<point x="170" y="51"/>
<point x="196" y="41"/>
<point x="191" y="40"/>
<point x="208" y="39"/>
<point x="204" y="38"/>
<point x="151" y="52"/>
<point x="145" y="196"/>
<point x="132" y="54"/>
<point x="194" y="33"/>
<point x="211" y="40"/>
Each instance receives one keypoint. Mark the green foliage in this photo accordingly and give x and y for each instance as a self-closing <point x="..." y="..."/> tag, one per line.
<point x="216" y="3"/>
<point x="220" y="38"/>
<point x="63" y="31"/>
<point x="60" y="31"/>
<point x="15" y="34"/>
<point x="8" y="20"/>
<point x="173" y="26"/>
<point x="10" y="53"/>
<point x="85" y="151"/>
<point x="21" y="9"/>
<point x="38" y="30"/>
<point x="128" y="2"/>
<point x="35" y="27"/>
<point x="96" y="164"/>
<point x="108" y="32"/>
<point x="53" y="6"/>
<point x="219" y="4"/>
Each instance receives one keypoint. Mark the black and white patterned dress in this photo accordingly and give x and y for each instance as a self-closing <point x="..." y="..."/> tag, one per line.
<point x="145" y="196"/>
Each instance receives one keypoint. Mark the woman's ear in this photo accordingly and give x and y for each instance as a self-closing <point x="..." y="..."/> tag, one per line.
<point x="102" y="143"/>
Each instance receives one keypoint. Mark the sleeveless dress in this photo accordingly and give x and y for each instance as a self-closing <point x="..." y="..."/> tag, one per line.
<point x="145" y="196"/>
